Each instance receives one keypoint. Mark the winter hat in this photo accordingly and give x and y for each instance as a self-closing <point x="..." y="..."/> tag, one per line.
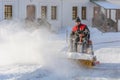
<point x="77" y="19"/>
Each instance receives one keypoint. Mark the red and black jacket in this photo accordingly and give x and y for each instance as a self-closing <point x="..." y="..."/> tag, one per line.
<point x="82" y="28"/>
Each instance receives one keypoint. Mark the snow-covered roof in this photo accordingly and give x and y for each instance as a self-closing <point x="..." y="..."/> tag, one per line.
<point x="107" y="5"/>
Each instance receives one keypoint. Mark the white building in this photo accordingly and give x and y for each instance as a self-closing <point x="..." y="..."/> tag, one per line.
<point x="59" y="13"/>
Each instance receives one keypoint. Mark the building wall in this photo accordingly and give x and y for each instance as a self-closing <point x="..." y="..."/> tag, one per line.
<point x="113" y="12"/>
<point x="1" y="9"/>
<point x="15" y="9"/>
<point x="64" y="10"/>
<point x="38" y="3"/>
<point x="67" y="12"/>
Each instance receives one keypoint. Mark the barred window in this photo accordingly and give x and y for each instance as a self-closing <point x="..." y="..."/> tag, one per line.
<point x="74" y="12"/>
<point x="44" y="11"/>
<point x="8" y="12"/>
<point x="83" y="13"/>
<point x="54" y="12"/>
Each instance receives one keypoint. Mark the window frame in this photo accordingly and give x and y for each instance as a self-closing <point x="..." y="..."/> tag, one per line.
<point x="44" y="11"/>
<point x="74" y="12"/>
<point x="8" y="12"/>
<point x="84" y="13"/>
<point x="53" y="12"/>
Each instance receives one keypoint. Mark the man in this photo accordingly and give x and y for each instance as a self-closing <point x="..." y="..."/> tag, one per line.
<point x="79" y="30"/>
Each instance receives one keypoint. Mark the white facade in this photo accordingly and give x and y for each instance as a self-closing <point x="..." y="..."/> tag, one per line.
<point x="1" y="10"/>
<point x="15" y="9"/>
<point x="64" y="10"/>
<point x="67" y="11"/>
<point x="113" y="12"/>
<point x="38" y="3"/>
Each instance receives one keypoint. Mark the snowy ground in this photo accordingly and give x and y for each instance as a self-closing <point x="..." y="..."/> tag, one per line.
<point x="36" y="54"/>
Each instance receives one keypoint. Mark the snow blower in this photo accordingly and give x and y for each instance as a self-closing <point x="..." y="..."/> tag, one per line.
<point x="82" y="52"/>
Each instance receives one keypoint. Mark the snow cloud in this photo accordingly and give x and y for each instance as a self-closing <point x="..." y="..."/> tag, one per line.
<point x="28" y="44"/>
<point x="19" y="45"/>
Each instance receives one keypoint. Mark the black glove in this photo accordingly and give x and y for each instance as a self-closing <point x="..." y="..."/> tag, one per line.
<point x="80" y="32"/>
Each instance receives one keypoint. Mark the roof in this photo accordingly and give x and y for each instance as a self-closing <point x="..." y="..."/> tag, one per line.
<point x="107" y="5"/>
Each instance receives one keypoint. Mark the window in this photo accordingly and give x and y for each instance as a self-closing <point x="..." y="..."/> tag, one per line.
<point x="8" y="12"/>
<point x="44" y="11"/>
<point x="74" y="12"/>
<point x="54" y="12"/>
<point x="118" y="13"/>
<point x="30" y="12"/>
<point x="84" y="13"/>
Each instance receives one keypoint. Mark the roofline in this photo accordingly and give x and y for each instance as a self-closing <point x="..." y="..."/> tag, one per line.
<point x="94" y="1"/>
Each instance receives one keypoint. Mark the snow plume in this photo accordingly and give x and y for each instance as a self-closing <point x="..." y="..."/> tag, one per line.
<point x="19" y="45"/>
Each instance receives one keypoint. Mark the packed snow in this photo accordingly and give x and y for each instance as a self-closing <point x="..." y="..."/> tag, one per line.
<point x="34" y="53"/>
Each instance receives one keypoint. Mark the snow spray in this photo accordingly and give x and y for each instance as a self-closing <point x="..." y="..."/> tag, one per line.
<point x="23" y="44"/>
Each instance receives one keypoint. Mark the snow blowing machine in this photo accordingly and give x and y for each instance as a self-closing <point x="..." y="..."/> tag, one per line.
<point x="82" y="52"/>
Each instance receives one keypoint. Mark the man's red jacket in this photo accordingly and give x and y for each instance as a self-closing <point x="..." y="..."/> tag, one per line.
<point x="81" y="27"/>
